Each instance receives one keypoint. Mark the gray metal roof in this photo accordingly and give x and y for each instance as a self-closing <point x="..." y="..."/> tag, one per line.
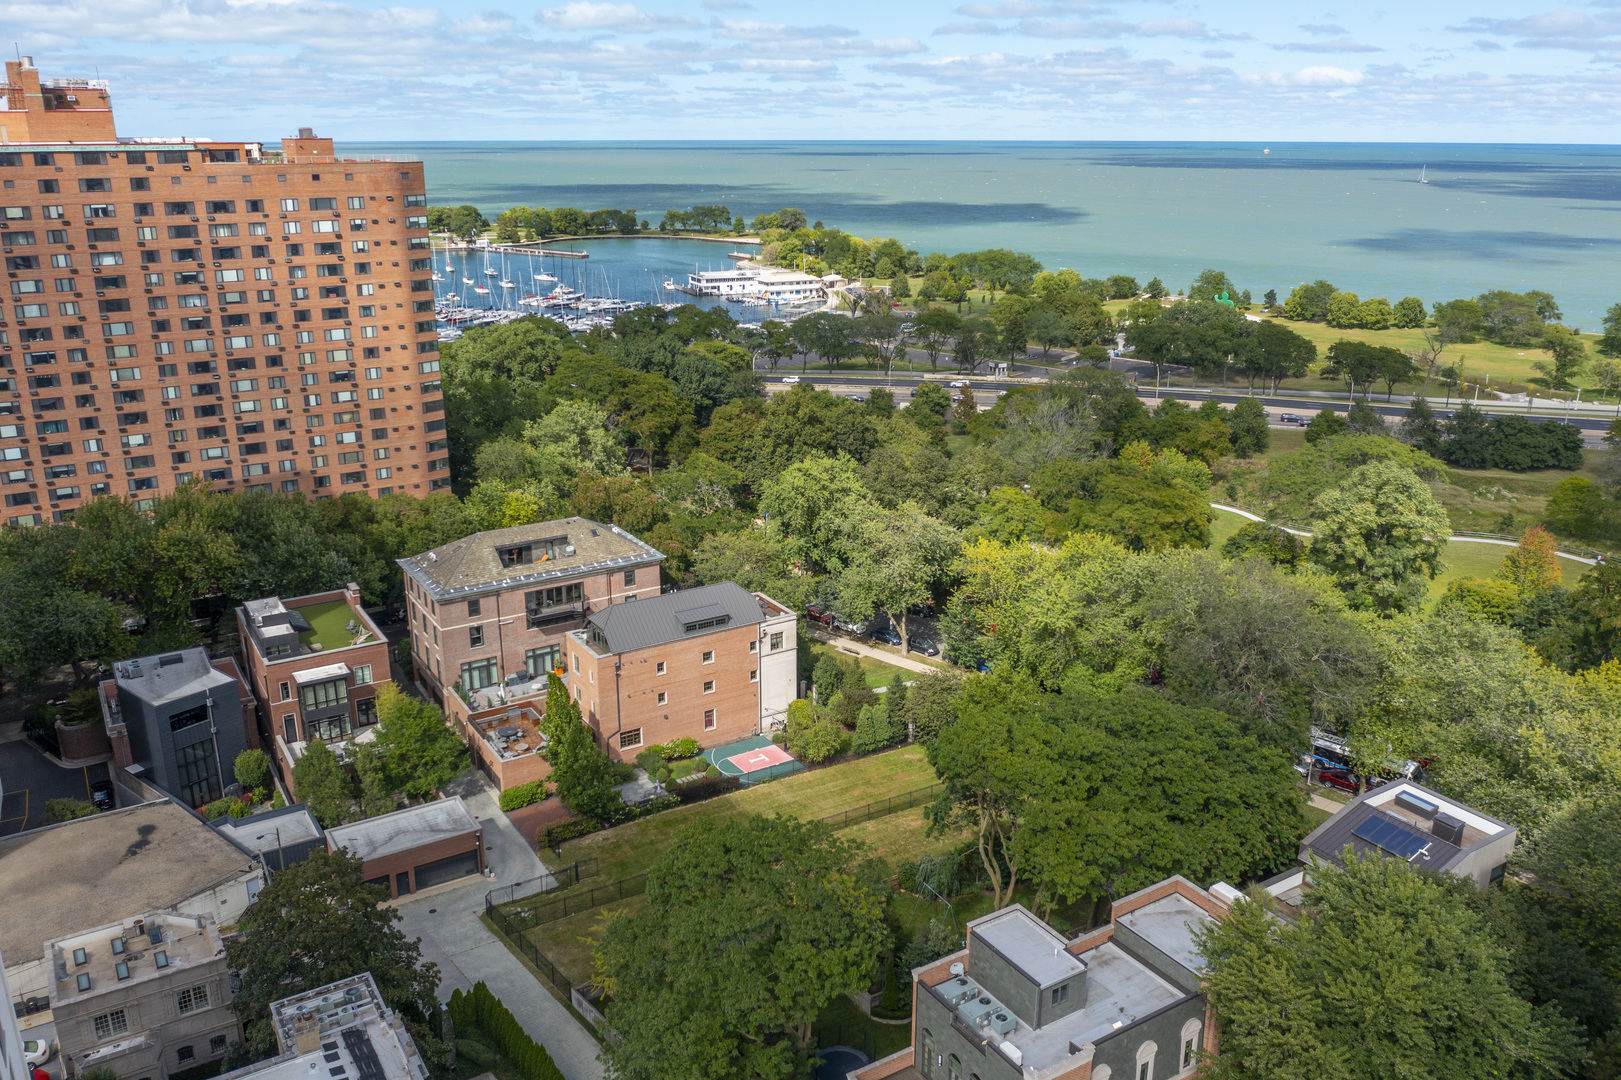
<point x="470" y="566"/>
<point x="642" y="624"/>
<point x="1028" y="943"/>
<point x="1330" y="838"/>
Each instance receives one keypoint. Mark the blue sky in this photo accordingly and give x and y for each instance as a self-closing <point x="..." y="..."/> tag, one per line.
<point x="1506" y="71"/>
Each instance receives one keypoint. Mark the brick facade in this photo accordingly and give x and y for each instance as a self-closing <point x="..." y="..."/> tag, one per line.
<point x="192" y="309"/>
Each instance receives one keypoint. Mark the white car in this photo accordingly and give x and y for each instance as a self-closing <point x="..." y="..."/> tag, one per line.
<point x="790" y="379"/>
<point x="36" y="1052"/>
<point x="957" y="382"/>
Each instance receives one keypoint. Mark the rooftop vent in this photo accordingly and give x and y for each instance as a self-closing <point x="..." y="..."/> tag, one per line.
<point x="1448" y="828"/>
<point x="306" y="133"/>
<point x="170" y="660"/>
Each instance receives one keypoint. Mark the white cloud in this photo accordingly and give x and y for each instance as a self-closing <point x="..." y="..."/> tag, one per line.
<point x="588" y="15"/>
<point x="1310" y="76"/>
<point x="1338" y="45"/>
<point x="487" y="22"/>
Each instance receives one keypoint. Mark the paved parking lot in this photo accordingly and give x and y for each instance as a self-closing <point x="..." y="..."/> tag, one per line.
<point x="29" y="779"/>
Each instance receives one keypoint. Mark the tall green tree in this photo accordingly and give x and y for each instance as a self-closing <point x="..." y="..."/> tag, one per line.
<point x="317" y="922"/>
<point x="1251" y="435"/>
<point x="419" y="751"/>
<point x="580" y="769"/>
<point x="1387" y="972"/>
<point x="894" y="560"/>
<point x="320" y="780"/>
<point x="801" y="918"/>
<point x="1380" y="533"/>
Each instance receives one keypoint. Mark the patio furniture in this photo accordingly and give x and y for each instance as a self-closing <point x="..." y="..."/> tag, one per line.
<point x="509" y="732"/>
<point x="520" y="747"/>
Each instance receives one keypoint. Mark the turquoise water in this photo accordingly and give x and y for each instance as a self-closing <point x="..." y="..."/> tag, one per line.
<point x="1510" y="217"/>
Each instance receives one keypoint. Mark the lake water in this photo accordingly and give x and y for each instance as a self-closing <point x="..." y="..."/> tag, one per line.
<point x="1510" y="217"/>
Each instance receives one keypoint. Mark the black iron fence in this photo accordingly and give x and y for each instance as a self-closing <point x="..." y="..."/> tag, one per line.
<point x="566" y="878"/>
<point x="514" y="933"/>
<point x="523" y="916"/>
<point x="892" y="805"/>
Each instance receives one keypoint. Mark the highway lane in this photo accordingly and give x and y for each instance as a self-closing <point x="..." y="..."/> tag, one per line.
<point x="986" y="388"/>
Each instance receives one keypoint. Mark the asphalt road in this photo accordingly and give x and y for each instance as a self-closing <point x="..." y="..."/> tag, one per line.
<point x="1592" y="425"/>
<point x="29" y="778"/>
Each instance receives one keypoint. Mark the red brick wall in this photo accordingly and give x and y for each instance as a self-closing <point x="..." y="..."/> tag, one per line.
<point x="395" y="423"/>
<point x="408" y="860"/>
<point x="735" y="699"/>
<point x="1163" y="889"/>
<point x="83" y="741"/>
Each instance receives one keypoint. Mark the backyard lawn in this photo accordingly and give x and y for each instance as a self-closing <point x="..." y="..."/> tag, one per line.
<point x="630" y="849"/>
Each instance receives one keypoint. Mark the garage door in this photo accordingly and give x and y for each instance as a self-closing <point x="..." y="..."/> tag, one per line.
<point x="443" y="870"/>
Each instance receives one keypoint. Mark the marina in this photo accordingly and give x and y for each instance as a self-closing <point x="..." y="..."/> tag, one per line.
<point x="483" y="286"/>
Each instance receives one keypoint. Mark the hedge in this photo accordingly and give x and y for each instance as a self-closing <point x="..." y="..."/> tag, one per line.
<point x="484" y="1011"/>
<point x="515" y="797"/>
<point x="707" y="788"/>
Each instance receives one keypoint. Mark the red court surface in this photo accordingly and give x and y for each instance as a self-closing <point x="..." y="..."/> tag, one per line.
<point x="763" y="758"/>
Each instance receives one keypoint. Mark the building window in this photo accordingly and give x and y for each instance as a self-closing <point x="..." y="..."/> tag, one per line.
<point x="663" y="698"/>
<point x="187" y="717"/>
<point x="331" y="727"/>
<point x="197" y="772"/>
<point x="630" y="739"/>
<point x="630" y="578"/>
<point x="1145" y="1060"/>
<point x="754" y="675"/>
<point x="540" y="661"/>
<point x="1060" y="994"/>
<point x="286" y="691"/>
<point x="216" y="1045"/>
<point x="576" y="663"/>
<point x="324" y="695"/>
<point x="754" y="646"/>
<point x="474" y="609"/>
<point x="289" y="728"/>
<point x="709" y="656"/>
<point x="362" y="674"/>
<point x="191" y="999"/>
<point x="81" y="957"/>
<point x="1498" y="872"/>
<point x="109" y="1024"/>
<point x="709" y="719"/>
<point x="953" y="1067"/>
<point x="776" y="641"/>
<point x="475" y="637"/>
<point x="479" y="674"/>
<point x="658" y="668"/>
<point x="184" y="1054"/>
<point x="709" y="686"/>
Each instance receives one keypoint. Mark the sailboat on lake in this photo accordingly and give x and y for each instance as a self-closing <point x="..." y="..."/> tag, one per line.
<point x="1422" y="170"/>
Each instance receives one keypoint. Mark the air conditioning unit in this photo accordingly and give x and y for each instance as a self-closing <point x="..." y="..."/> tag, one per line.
<point x="976" y="1012"/>
<point x="1003" y="1022"/>
<point x="958" y="990"/>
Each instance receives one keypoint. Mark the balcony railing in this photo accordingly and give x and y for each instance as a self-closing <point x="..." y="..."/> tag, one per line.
<point x="556" y="613"/>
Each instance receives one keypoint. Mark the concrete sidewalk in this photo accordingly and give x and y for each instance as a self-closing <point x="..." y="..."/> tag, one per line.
<point x="857" y="648"/>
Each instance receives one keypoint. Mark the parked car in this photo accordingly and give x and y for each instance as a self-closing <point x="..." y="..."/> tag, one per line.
<point x="37" y="1052"/>
<point x="854" y="629"/>
<point x="101" y="794"/>
<point x="790" y="379"/>
<point x="887" y="635"/>
<point x="923" y="647"/>
<point x="816" y="614"/>
<point x="1292" y="418"/>
<point x="1344" y="779"/>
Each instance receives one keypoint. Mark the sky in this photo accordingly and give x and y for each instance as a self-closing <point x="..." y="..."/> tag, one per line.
<point x="1265" y="70"/>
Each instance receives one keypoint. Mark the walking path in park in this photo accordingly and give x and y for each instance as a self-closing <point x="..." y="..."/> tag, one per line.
<point x="447" y="925"/>
<point x="1454" y="539"/>
<point x="856" y="648"/>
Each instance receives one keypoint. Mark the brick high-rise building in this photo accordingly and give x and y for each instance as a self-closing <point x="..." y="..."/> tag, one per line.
<point x="195" y="309"/>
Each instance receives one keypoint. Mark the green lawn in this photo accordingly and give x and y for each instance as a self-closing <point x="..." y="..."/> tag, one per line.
<point x="328" y="625"/>
<point x="902" y="837"/>
<point x="630" y="849"/>
<point x="569" y="942"/>
<point x="1465" y="560"/>
<point x="877" y="672"/>
<point x="1223" y="523"/>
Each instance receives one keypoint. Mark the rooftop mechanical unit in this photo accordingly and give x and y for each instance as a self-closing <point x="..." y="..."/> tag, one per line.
<point x="958" y="990"/>
<point x="1448" y="828"/>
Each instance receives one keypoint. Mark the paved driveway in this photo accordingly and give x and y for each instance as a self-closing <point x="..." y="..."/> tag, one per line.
<point x="447" y="926"/>
<point x="28" y="779"/>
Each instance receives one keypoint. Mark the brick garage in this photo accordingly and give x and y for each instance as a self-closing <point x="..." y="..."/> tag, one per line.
<point x="415" y="848"/>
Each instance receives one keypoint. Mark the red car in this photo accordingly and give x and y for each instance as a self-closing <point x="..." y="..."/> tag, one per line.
<point x="1343" y="779"/>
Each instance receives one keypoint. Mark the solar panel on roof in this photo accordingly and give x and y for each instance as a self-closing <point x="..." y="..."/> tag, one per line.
<point x="1388" y="836"/>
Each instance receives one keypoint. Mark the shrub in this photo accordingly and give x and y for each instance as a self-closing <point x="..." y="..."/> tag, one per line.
<point x="707" y="788"/>
<point x="278" y="801"/>
<point x="217" y="809"/>
<point x="651" y="760"/>
<point x="873" y="729"/>
<point x="484" y="1011"/>
<point x="475" y="1053"/>
<point x="572" y="829"/>
<point x="682" y="748"/>
<point x="523" y="795"/>
<point x="711" y="773"/>
<point x="66" y="810"/>
<point x="252" y="769"/>
<point x="239" y="808"/>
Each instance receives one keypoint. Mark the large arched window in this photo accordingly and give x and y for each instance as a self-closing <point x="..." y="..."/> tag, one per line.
<point x="926" y="1064"/>
<point x="953" y="1067"/>
<point x="1189" y="1055"/>
<point x="1145" y="1060"/>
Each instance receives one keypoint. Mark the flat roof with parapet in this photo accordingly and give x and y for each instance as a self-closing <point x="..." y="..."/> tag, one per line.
<point x="95" y="870"/>
<point x="404" y="830"/>
<point x="275" y="828"/>
<point x="473" y="565"/>
<point x="1028" y="944"/>
<point x="1169" y="924"/>
<point x="168" y="677"/>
